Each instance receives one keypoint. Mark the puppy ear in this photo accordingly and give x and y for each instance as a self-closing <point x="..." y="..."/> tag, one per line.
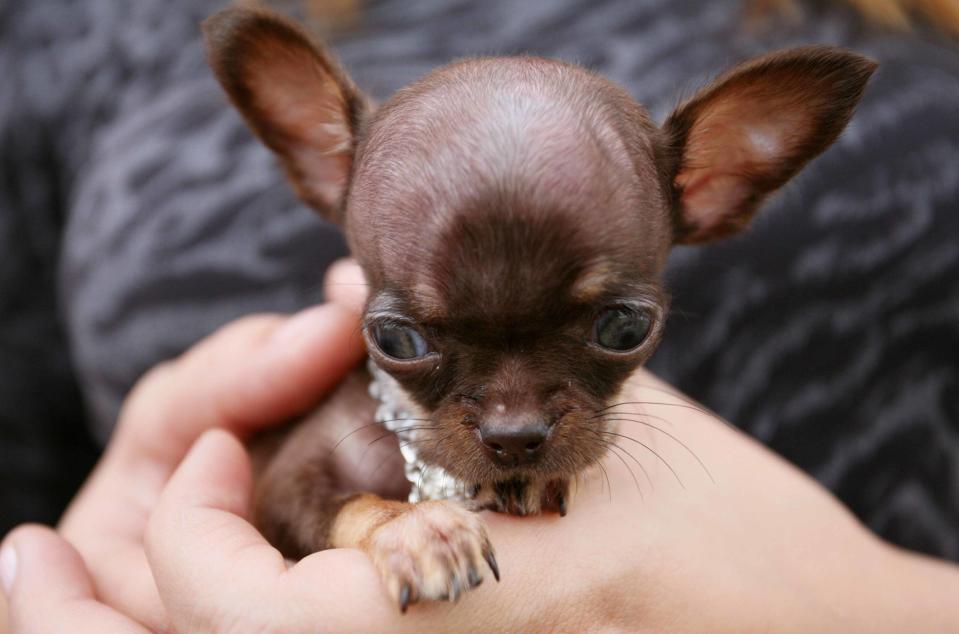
<point x="753" y="129"/>
<point x="294" y="95"/>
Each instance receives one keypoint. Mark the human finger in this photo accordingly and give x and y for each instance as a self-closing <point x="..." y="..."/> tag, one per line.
<point x="49" y="589"/>
<point x="346" y="285"/>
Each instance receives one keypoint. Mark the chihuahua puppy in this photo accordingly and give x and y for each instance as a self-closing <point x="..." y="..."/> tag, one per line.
<point x="513" y="217"/>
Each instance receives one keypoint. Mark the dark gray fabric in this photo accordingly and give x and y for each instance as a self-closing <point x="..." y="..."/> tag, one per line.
<point x="830" y="331"/>
<point x="45" y="446"/>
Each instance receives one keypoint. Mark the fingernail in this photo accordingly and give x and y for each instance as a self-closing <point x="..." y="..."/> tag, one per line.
<point x="8" y="568"/>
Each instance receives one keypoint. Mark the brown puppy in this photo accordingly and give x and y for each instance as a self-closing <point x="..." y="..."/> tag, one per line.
<point x="513" y="217"/>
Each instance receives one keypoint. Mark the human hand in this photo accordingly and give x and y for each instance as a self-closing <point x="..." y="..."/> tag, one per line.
<point x="49" y="589"/>
<point x="255" y="372"/>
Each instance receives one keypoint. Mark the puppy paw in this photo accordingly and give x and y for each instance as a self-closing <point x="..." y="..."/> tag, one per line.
<point x="433" y="550"/>
<point x="524" y="497"/>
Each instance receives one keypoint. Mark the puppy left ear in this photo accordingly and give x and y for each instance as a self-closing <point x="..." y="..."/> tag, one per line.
<point x="753" y="129"/>
<point x="295" y="97"/>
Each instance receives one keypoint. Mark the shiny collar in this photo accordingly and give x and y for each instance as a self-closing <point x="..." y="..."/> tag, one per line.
<point x="398" y="414"/>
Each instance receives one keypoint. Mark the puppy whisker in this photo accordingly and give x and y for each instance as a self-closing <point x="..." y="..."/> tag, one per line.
<point x="662" y="403"/>
<point x="642" y="467"/>
<point x="666" y="433"/>
<point x="370" y="444"/>
<point x="649" y="449"/>
<point x="639" y="489"/>
<point x="400" y="430"/>
<point x="392" y="457"/>
<point x="620" y="413"/>
<point x="609" y="486"/>
<point x="375" y="424"/>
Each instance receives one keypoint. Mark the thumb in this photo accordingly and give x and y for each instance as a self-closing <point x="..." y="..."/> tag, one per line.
<point x="211" y="564"/>
<point x="254" y="372"/>
<point x="197" y="537"/>
<point x="48" y="587"/>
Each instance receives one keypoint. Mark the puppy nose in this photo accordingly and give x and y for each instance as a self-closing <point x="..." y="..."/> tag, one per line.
<point x="515" y="445"/>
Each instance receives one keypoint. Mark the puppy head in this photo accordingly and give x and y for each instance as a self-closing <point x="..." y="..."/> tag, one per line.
<point x="513" y="217"/>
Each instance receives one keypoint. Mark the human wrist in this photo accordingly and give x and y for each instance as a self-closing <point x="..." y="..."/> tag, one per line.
<point x="919" y="592"/>
<point x="882" y="589"/>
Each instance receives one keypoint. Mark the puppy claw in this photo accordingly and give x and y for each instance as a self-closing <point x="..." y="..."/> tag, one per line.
<point x="491" y="561"/>
<point x="473" y="577"/>
<point x="429" y="551"/>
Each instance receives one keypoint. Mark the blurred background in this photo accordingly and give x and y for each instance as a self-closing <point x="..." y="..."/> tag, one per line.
<point x="138" y="214"/>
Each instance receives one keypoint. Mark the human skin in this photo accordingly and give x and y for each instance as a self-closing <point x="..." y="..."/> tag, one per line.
<point x="753" y="544"/>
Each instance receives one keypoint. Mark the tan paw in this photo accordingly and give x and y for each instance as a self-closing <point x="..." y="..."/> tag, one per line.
<point x="433" y="550"/>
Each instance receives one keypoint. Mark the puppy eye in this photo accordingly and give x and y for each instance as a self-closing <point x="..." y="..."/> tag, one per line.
<point x="399" y="341"/>
<point x="622" y="328"/>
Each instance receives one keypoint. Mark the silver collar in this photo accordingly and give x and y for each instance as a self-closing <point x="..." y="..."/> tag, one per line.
<point x="398" y="414"/>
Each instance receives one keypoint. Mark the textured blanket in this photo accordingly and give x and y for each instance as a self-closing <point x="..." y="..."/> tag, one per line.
<point x="138" y="214"/>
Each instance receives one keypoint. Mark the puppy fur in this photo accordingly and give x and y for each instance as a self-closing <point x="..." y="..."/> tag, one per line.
<point x="500" y="207"/>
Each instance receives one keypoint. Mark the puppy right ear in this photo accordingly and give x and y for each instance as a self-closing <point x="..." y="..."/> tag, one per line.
<point x="293" y="95"/>
<point x="753" y="129"/>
